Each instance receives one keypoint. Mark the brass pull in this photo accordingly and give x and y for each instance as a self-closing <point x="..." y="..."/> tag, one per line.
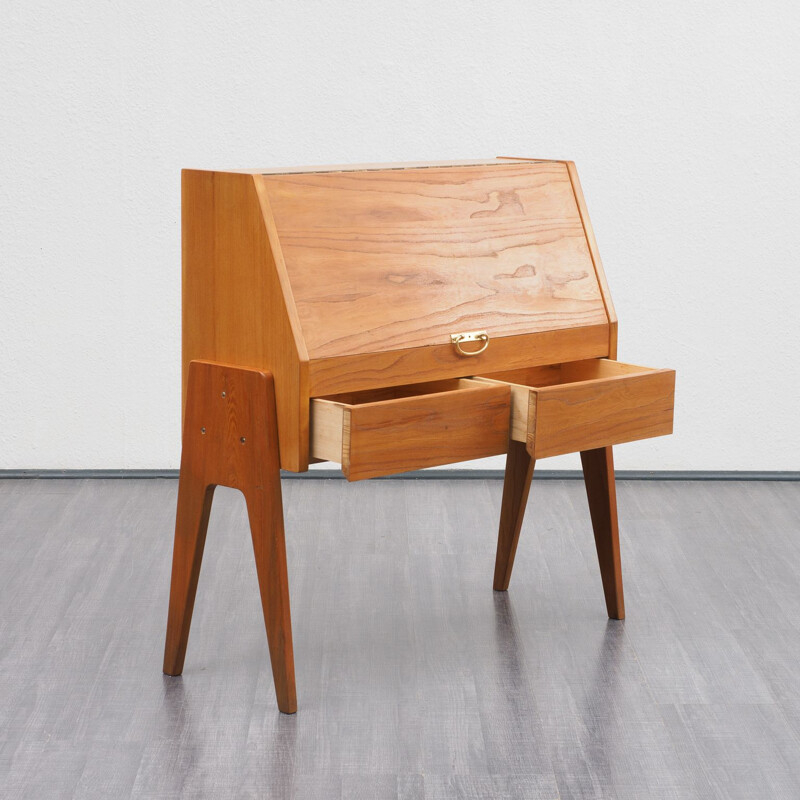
<point x="473" y="336"/>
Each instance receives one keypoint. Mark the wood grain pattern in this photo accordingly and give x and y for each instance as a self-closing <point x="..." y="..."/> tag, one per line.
<point x="587" y="404"/>
<point x="345" y="278"/>
<point x="327" y="423"/>
<point x="591" y="414"/>
<point x="328" y="413"/>
<point x="516" y="488"/>
<point x="595" y="254"/>
<point x="191" y="525"/>
<point x="593" y="249"/>
<point x="383" y="166"/>
<point x="455" y="421"/>
<point x="395" y="259"/>
<point x="364" y="371"/>
<point x="568" y="373"/>
<point x="601" y="490"/>
<point x="237" y="307"/>
<point x="368" y="167"/>
<point x="231" y="439"/>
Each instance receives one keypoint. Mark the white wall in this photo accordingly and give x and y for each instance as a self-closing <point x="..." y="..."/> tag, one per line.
<point x="682" y="118"/>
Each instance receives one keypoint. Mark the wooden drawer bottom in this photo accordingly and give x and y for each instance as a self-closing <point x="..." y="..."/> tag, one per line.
<point x="385" y="431"/>
<point x="583" y="405"/>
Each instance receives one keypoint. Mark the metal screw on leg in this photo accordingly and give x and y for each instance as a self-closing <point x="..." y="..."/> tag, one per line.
<point x="202" y="430"/>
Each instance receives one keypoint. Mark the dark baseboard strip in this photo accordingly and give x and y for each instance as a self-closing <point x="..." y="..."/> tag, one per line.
<point x="428" y="474"/>
<point x="569" y="474"/>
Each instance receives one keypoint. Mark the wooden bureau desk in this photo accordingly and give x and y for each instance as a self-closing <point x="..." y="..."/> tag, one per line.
<point x="390" y="318"/>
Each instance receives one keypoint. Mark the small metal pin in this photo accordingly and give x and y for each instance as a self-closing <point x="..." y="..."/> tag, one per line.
<point x="223" y="394"/>
<point x="202" y="430"/>
<point x="242" y="440"/>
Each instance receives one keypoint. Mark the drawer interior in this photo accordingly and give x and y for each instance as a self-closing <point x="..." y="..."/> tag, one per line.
<point x="384" y="393"/>
<point x="570" y="372"/>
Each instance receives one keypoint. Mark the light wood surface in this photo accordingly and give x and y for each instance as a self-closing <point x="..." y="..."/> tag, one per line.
<point x="588" y="404"/>
<point x="237" y="305"/>
<point x="383" y="260"/>
<point x="327" y="424"/>
<point x="352" y="277"/>
<point x="386" y="431"/>
<point x="230" y="438"/>
<point x="322" y="168"/>
<point x="595" y="255"/>
<point x="593" y="250"/>
<point x="347" y="284"/>
<point x="363" y="371"/>
<point x="593" y="414"/>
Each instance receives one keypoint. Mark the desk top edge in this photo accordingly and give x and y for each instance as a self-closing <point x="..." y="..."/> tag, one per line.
<point x="500" y="161"/>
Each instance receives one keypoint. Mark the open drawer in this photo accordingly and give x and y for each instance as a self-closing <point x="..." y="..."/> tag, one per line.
<point x="582" y="405"/>
<point x="383" y="431"/>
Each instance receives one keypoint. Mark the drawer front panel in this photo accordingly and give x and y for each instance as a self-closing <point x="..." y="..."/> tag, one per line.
<point x="407" y="433"/>
<point x="566" y="419"/>
<point x="583" y="405"/>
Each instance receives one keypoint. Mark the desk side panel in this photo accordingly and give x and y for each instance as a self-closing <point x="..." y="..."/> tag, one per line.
<point x="234" y="310"/>
<point x="595" y="254"/>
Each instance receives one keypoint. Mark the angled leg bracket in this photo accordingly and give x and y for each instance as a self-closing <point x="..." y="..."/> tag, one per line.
<point x="230" y="438"/>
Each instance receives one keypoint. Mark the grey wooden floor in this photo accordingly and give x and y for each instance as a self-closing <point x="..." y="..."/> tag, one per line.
<point x="414" y="678"/>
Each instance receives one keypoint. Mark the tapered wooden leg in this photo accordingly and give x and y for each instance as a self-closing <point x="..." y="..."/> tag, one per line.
<point x="191" y="524"/>
<point x="516" y="487"/>
<point x="266" y="525"/>
<point x="230" y="438"/>
<point x="598" y="474"/>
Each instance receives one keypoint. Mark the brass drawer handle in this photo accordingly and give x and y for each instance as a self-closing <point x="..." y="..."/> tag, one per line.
<point x="473" y="336"/>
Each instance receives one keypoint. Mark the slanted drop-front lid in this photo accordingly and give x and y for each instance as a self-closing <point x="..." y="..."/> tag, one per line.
<point x="389" y="259"/>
